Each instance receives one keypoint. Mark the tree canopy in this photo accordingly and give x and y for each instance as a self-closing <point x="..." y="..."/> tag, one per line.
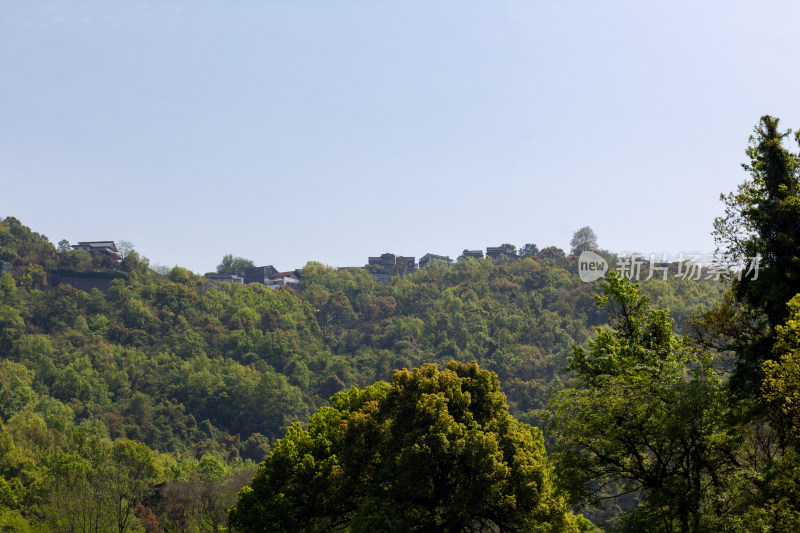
<point x="432" y="451"/>
<point x="761" y="225"/>
<point x="232" y="265"/>
<point x="584" y="239"/>
<point x="646" y="416"/>
<point x="196" y="369"/>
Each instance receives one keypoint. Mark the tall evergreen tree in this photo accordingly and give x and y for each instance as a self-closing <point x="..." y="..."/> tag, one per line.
<point x="762" y="226"/>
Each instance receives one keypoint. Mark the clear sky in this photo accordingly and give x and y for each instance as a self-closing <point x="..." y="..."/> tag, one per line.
<point x="294" y="131"/>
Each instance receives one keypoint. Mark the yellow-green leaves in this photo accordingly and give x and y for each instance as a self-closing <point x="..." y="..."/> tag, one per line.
<point x="781" y="385"/>
<point x="435" y="450"/>
<point x="647" y="416"/>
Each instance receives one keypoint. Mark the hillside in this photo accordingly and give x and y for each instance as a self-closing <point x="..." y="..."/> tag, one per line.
<point x="200" y="371"/>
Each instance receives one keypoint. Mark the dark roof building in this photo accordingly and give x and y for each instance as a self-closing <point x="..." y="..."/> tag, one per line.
<point x="387" y="265"/>
<point x="405" y="265"/>
<point x="258" y="274"/>
<point x="474" y="254"/>
<point x="103" y="247"/>
<point x="284" y="279"/>
<point x="495" y="252"/>
<point x="427" y="258"/>
<point x="385" y="260"/>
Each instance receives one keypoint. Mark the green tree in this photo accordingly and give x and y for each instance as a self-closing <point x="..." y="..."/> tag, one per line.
<point x="647" y="416"/>
<point x="781" y="386"/>
<point x="770" y="500"/>
<point x="132" y="473"/>
<point x="433" y="451"/>
<point x="73" y="504"/>
<point x="97" y="487"/>
<point x="552" y="252"/>
<point x="583" y="240"/>
<point x="12" y="326"/>
<point x="199" y="498"/>
<point x="232" y="265"/>
<point x="8" y="290"/>
<point x="761" y="224"/>
<point x="528" y="250"/>
<point x="123" y="248"/>
<point x="510" y="246"/>
<point x="15" y="388"/>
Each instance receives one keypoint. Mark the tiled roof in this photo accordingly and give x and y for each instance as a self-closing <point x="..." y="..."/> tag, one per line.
<point x="98" y="244"/>
<point x="284" y="274"/>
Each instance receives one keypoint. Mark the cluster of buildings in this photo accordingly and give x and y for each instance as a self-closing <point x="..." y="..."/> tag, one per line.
<point x="383" y="268"/>
<point x="266" y="275"/>
<point x="492" y="252"/>
<point x="388" y="265"/>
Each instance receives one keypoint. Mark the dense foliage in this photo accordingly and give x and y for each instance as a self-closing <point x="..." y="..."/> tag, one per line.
<point x="197" y="370"/>
<point x="699" y="433"/>
<point x="761" y="221"/>
<point x="132" y="400"/>
<point x="433" y="451"/>
<point x="647" y="416"/>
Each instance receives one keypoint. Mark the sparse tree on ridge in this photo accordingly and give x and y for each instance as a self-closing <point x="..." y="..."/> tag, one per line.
<point x="124" y="248"/>
<point x="528" y="250"/>
<point x="511" y="246"/>
<point x="582" y="240"/>
<point x="232" y="265"/>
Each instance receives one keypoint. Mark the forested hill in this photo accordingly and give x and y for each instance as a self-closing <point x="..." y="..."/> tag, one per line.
<point x="195" y="369"/>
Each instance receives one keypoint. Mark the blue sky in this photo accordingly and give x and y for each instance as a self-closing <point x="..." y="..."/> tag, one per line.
<point x="294" y="131"/>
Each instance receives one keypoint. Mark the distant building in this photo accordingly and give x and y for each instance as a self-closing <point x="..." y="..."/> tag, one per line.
<point x="427" y="258"/>
<point x="382" y="277"/>
<point x="284" y="279"/>
<point x="103" y="247"/>
<point x="266" y="275"/>
<point x="405" y="265"/>
<point x="386" y="260"/>
<point x="386" y="266"/>
<point x="227" y="278"/>
<point x="474" y="254"/>
<point x="5" y="267"/>
<point x="258" y="274"/>
<point x="495" y="252"/>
